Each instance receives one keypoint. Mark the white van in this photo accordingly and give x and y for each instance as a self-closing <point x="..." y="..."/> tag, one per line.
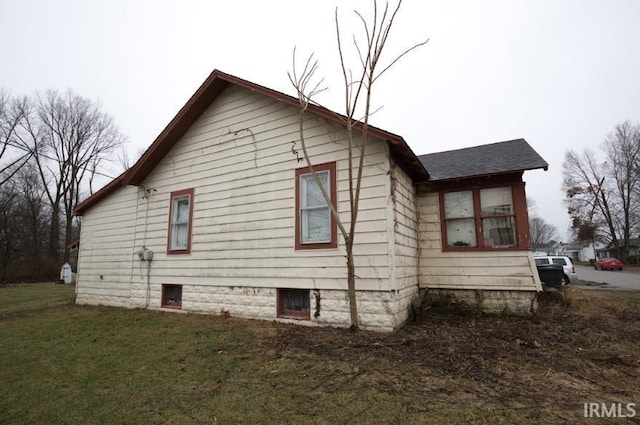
<point x="566" y="263"/>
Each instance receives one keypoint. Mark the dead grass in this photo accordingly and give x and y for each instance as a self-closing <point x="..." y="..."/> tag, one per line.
<point x="91" y="365"/>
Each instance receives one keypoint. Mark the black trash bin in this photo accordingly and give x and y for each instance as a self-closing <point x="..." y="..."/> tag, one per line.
<point x="551" y="274"/>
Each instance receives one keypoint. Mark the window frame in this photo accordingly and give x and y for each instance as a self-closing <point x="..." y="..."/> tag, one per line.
<point x="283" y="313"/>
<point x="164" y="300"/>
<point x="520" y="214"/>
<point x="174" y="197"/>
<point x="330" y="167"/>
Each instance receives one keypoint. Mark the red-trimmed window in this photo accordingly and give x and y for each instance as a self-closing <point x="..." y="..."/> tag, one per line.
<point x="172" y="296"/>
<point x="294" y="304"/>
<point x="180" y="222"/>
<point x="484" y="218"/>
<point x="315" y="225"/>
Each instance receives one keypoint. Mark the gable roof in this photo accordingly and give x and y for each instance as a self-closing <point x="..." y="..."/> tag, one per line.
<point x="491" y="159"/>
<point x="210" y="89"/>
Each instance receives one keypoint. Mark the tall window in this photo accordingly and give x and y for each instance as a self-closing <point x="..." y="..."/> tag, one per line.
<point x="180" y="222"/>
<point x="315" y="225"/>
<point x="484" y="218"/>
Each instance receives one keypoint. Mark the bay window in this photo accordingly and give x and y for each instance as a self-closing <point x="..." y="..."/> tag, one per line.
<point x="484" y="218"/>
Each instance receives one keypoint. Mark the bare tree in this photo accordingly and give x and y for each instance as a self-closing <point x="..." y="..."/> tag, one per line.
<point x="70" y="136"/>
<point x="541" y="232"/>
<point x="12" y="146"/>
<point x="23" y="227"/>
<point x="358" y="89"/>
<point x="622" y="148"/>
<point x="604" y="197"/>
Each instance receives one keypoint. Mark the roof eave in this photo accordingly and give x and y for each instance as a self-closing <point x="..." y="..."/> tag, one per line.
<point x="99" y="195"/>
<point x="477" y="176"/>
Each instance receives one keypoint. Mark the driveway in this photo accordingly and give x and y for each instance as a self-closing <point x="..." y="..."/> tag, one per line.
<point x="614" y="279"/>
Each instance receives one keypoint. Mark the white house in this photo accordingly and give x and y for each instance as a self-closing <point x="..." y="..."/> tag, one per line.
<point x="219" y="215"/>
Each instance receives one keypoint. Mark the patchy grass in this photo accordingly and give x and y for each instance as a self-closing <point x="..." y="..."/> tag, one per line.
<point x="22" y="297"/>
<point x="66" y="364"/>
<point x="627" y="296"/>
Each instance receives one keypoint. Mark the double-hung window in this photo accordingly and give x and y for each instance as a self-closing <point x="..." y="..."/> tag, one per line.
<point x="484" y="218"/>
<point x="315" y="225"/>
<point x="180" y="222"/>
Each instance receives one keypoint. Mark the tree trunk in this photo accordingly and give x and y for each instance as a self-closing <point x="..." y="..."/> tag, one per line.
<point x="54" y="234"/>
<point x="68" y="234"/>
<point x="351" y="284"/>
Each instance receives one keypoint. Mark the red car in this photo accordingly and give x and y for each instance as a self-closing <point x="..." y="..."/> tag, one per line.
<point x="608" y="264"/>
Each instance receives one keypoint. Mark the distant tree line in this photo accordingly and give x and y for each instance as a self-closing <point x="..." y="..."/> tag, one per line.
<point x="52" y="146"/>
<point x="603" y="196"/>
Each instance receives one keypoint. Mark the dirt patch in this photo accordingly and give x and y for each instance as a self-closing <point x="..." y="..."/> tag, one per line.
<point x="567" y="354"/>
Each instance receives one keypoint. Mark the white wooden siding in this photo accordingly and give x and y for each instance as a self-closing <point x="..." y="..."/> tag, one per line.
<point x="237" y="156"/>
<point x="105" y="259"/>
<point x="497" y="270"/>
<point x="404" y="228"/>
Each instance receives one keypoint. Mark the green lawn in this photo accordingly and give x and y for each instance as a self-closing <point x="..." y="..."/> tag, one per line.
<point x="25" y="297"/>
<point x="66" y="364"/>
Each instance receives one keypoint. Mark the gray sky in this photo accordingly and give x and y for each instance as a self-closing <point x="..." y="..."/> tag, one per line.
<point x="559" y="73"/>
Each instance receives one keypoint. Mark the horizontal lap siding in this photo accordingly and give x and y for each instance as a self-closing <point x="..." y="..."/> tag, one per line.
<point x="404" y="236"/>
<point x="497" y="270"/>
<point x="405" y="229"/>
<point x="238" y="158"/>
<point x="106" y="250"/>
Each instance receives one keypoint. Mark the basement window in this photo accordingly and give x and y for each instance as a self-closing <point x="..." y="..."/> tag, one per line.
<point x="294" y="304"/>
<point x="172" y="296"/>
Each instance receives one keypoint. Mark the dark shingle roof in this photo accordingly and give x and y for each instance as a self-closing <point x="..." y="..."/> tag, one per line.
<point x="495" y="158"/>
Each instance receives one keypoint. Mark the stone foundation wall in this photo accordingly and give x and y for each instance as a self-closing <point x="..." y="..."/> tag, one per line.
<point x="377" y="310"/>
<point x="106" y="299"/>
<point x="488" y="301"/>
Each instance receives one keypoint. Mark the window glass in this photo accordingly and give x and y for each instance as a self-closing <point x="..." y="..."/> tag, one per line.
<point x="461" y="232"/>
<point x="458" y="204"/>
<point x="311" y="193"/>
<point x="499" y="232"/>
<point x="180" y="223"/>
<point x="316" y="225"/>
<point x="480" y="218"/>
<point x="496" y="201"/>
<point x="180" y="233"/>
<point x="294" y="303"/>
<point x="172" y="296"/>
<point x="315" y="213"/>
<point x="296" y="300"/>
<point x="559" y="261"/>
<point x="182" y="210"/>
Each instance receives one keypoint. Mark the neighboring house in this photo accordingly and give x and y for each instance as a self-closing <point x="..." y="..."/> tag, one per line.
<point x="549" y="248"/>
<point x="219" y="215"/>
<point x="634" y="251"/>
<point x="582" y="251"/>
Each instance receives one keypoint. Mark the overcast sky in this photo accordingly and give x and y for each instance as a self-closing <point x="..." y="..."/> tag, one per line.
<point x="559" y="73"/>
